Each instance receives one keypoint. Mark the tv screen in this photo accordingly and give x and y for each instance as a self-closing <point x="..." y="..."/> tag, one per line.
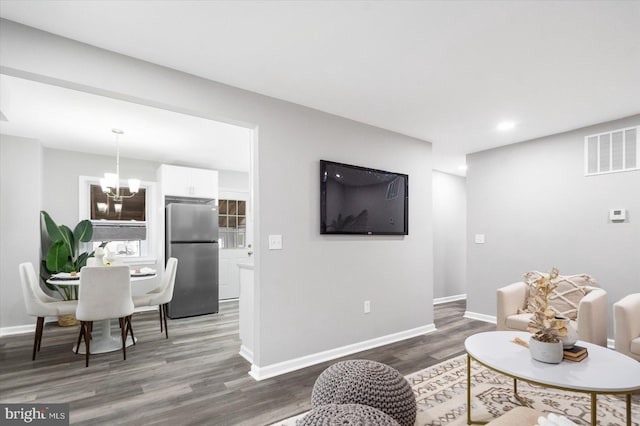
<point x="358" y="200"/>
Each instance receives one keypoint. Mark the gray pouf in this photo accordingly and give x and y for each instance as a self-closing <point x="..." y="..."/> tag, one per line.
<point x="368" y="383"/>
<point x="346" y="415"/>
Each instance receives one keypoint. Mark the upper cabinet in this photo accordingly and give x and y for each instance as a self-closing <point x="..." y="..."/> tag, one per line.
<point x="188" y="182"/>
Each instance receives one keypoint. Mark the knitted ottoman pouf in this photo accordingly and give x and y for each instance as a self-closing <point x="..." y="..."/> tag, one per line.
<point x="368" y="383"/>
<point x="347" y="415"/>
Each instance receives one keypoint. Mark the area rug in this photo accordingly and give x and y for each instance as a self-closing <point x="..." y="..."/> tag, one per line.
<point x="441" y="395"/>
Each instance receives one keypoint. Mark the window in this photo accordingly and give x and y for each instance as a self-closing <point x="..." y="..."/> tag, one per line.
<point x="122" y="224"/>
<point x="232" y="223"/>
<point x="104" y="208"/>
<point x="121" y="248"/>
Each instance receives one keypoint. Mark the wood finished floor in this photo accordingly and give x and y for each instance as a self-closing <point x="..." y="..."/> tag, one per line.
<point x="196" y="377"/>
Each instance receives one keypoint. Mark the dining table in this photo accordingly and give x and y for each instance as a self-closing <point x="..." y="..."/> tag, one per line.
<point x="102" y="339"/>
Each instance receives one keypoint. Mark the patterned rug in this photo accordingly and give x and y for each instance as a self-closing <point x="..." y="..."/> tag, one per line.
<point x="441" y="394"/>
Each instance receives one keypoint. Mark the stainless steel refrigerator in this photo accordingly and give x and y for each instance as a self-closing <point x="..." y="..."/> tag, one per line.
<point x="192" y="238"/>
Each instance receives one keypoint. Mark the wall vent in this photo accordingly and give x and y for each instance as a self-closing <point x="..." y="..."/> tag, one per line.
<point x="611" y="152"/>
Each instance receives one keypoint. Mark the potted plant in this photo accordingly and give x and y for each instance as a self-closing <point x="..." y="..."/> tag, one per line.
<point x="546" y="343"/>
<point x="64" y="254"/>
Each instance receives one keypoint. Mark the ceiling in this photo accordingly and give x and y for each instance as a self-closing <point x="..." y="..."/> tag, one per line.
<point x="444" y="71"/>
<point x="78" y="121"/>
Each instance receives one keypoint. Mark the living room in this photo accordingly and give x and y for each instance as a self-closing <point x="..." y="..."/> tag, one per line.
<point x="531" y="201"/>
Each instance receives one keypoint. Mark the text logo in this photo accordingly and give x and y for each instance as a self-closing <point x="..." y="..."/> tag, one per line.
<point x="34" y="414"/>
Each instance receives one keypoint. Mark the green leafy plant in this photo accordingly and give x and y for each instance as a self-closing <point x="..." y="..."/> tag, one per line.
<point x="64" y="254"/>
<point x="544" y="324"/>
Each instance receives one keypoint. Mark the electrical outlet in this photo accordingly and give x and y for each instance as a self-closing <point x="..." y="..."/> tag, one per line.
<point x="275" y="242"/>
<point x="367" y="306"/>
<point x="479" y="239"/>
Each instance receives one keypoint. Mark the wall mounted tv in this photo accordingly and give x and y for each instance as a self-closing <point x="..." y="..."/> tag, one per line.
<point x="358" y="200"/>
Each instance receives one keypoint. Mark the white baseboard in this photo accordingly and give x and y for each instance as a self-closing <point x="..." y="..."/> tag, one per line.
<point x="268" y="371"/>
<point x="246" y="353"/>
<point x="25" y="328"/>
<point x="480" y="317"/>
<point x="30" y="328"/>
<point x="18" y="329"/>
<point x="446" y="299"/>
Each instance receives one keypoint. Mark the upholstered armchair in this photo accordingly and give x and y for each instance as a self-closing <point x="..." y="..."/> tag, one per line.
<point x="591" y="322"/>
<point x="626" y="325"/>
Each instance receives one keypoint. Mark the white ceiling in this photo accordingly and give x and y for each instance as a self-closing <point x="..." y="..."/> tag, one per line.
<point x="444" y="71"/>
<point x="77" y="121"/>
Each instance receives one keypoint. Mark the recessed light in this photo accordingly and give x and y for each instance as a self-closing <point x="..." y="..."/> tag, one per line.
<point x="506" y="125"/>
<point x="463" y="167"/>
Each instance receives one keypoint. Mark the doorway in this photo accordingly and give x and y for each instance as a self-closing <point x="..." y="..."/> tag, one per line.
<point x="46" y="101"/>
<point x="236" y="242"/>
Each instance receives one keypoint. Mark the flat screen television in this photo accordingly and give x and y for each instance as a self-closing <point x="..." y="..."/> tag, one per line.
<point x="359" y="200"/>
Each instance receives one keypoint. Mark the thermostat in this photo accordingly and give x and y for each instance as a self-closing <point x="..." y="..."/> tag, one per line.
<point x="616" y="215"/>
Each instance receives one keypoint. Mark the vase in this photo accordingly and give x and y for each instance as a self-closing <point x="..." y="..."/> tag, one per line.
<point x="99" y="254"/>
<point x="572" y="335"/>
<point x="550" y="353"/>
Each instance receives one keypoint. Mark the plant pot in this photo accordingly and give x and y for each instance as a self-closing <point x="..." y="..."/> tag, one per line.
<point x="68" y="320"/>
<point x="571" y="338"/>
<point x="551" y="353"/>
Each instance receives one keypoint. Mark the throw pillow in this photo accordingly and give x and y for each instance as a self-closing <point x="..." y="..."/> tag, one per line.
<point x="530" y="279"/>
<point x="565" y="298"/>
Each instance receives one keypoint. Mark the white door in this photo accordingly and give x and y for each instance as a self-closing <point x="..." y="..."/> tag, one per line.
<point x="230" y="257"/>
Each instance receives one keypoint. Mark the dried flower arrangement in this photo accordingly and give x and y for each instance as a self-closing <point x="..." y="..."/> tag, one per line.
<point x="543" y="324"/>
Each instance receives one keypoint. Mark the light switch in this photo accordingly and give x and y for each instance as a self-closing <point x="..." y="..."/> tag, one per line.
<point x="479" y="239"/>
<point x="275" y="242"/>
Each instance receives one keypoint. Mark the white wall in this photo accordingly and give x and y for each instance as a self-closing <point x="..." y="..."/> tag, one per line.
<point x="310" y="295"/>
<point x="538" y="211"/>
<point x="20" y="198"/>
<point x="449" y="235"/>
<point x="230" y="180"/>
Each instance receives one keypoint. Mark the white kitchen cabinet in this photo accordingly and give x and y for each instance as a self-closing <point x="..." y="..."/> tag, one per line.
<point x="188" y="181"/>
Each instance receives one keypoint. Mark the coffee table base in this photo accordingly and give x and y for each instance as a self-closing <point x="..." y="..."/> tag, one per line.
<point x="594" y="395"/>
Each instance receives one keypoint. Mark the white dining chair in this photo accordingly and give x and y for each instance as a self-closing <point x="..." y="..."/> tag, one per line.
<point x="105" y="293"/>
<point x="39" y="304"/>
<point x="162" y="295"/>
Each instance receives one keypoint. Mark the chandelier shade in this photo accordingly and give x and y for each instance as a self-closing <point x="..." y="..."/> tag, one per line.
<point x="134" y="186"/>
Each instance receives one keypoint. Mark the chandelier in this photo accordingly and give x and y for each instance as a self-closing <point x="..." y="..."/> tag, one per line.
<point x="111" y="182"/>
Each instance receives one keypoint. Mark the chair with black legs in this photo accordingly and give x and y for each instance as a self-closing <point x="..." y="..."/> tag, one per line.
<point x="39" y="304"/>
<point x="162" y="295"/>
<point x="105" y="293"/>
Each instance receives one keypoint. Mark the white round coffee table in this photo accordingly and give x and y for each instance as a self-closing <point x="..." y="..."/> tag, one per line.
<point x="603" y="371"/>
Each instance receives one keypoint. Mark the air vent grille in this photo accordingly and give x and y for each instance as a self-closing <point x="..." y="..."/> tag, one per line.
<point x="612" y="152"/>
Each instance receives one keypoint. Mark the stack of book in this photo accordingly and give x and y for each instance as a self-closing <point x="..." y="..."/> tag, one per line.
<point x="576" y="353"/>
